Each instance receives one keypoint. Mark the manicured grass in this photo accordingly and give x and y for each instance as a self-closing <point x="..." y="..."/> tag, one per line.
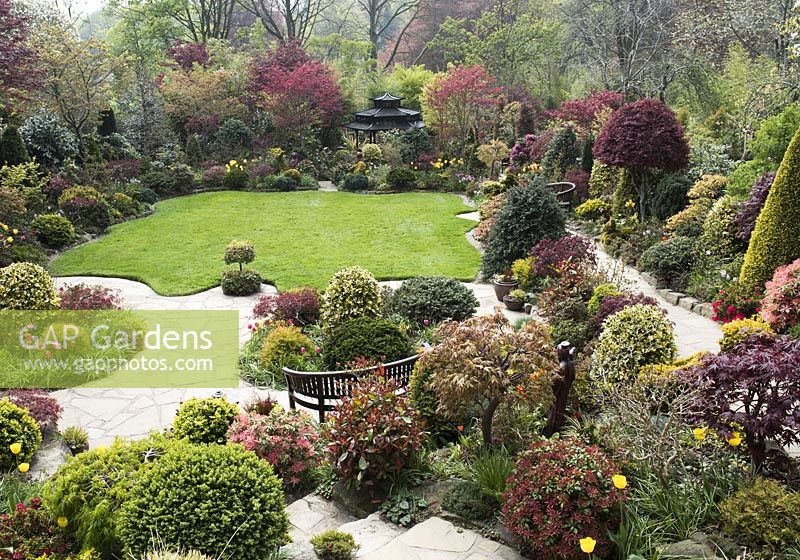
<point x="301" y="239"/>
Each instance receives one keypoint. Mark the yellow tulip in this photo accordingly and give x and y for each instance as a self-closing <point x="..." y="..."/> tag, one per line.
<point x="620" y="482"/>
<point x="16" y="448"/>
<point x="700" y="433"/>
<point x="736" y="439"/>
<point x="62" y="522"/>
<point x="588" y="544"/>
<point x="23" y="467"/>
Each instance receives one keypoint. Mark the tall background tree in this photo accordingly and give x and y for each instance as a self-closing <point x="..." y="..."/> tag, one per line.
<point x="19" y="73"/>
<point x="287" y="20"/>
<point x="642" y="137"/>
<point x="78" y="78"/>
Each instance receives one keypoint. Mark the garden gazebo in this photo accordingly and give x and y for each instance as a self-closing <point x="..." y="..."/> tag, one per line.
<point x="386" y="114"/>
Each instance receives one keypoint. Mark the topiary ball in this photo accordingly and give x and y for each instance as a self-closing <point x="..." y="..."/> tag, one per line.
<point x="204" y="420"/>
<point x="219" y="500"/>
<point x="433" y="299"/>
<point x="53" y="230"/>
<point x="17" y="426"/>
<point x="240" y="282"/>
<point x="636" y="336"/>
<point x="352" y="292"/>
<point x="671" y="261"/>
<point x="27" y="286"/>
<point x="365" y="337"/>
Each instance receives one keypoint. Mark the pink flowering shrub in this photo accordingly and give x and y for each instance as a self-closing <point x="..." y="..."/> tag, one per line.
<point x="82" y="297"/>
<point x="288" y="440"/>
<point x="781" y="304"/>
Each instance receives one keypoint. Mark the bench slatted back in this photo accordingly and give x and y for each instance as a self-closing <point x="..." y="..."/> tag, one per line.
<point x="320" y="390"/>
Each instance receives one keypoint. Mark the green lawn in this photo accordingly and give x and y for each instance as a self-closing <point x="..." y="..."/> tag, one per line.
<point x="301" y="239"/>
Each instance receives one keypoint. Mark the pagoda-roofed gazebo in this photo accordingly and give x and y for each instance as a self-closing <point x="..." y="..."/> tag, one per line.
<point x="386" y="114"/>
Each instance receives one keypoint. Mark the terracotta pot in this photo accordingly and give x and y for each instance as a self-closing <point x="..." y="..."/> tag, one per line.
<point x="502" y="289"/>
<point x="514" y="304"/>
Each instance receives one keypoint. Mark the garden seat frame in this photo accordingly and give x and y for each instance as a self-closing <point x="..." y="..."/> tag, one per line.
<point x="321" y="390"/>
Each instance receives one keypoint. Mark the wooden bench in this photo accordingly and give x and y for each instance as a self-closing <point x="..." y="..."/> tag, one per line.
<point x="321" y="390"/>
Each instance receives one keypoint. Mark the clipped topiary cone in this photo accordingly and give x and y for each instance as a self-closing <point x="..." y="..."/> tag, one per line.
<point x="776" y="238"/>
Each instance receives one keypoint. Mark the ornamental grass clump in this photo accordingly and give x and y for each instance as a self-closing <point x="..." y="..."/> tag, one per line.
<point x="287" y="440"/>
<point x="374" y="434"/>
<point x="560" y="491"/>
<point x="633" y="337"/>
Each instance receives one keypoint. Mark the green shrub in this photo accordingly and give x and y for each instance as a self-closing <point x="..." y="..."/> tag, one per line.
<point x="284" y="347"/>
<point x="636" y="336"/>
<point x="88" y="214"/>
<point x="204" y="420"/>
<point x="12" y="147"/>
<point x="765" y="515"/>
<point x="741" y="180"/>
<point x="466" y="499"/>
<point x="27" y="286"/>
<point x="125" y="205"/>
<point x="599" y="294"/>
<point x="17" y="426"/>
<point x="523" y="272"/>
<point x="594" y="209"/>
<point x="12" y="207"/>
<point x="89" y="193"/>
<point x="426" y="403"/>
<point x="530" y="213"/>
<point x="355" y="182"/>
<point x="689" y="221"/>
<point x="365" y="337"/>
<point x="709" y="187"/>
<point x="218" y="499"/>
<point x="774" y="135"/>
<point x="24" y="253"/>
<point x="285" y="183"/>
<point x="719" y="240"/>
<point x="352" y="292"/>
<point x="333" y="544"/>
<point x="492" y="188"/>
<point x="603" y="180"/>
<point x="776" y="237"/>
<point x="561" y="154"/>
<point x="91" y="487"/>
<point x="143" y="194"/>
<point x="433" y="299"/>
<point x="372" y="153"/>
<point x="671" y="260"/>
<point x="240" y="282"/>
<point x="576" y="332"/>
<point x="669" y="195"/>
<point x="53" y="230"/>
<point x="401" y="179"/>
